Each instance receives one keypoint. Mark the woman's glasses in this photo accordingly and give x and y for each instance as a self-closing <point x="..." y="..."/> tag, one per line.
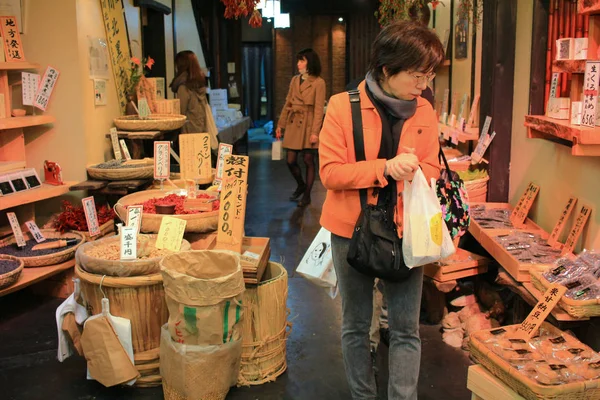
<point x="420" y="79"/>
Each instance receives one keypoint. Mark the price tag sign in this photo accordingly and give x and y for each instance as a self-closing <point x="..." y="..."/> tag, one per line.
<point x="452" y="122"/>
<point x="590" y="93"/>
<point x="529" y="327"/>
<point x="560" y="224"/>
<point x="143" y="108"/>
<point x="463" y="106"/>
<point x="445" y="106"/>
<point x="232" y="212"/>
<point x="128" y="242"/>
<point x="30" y="83"/>
<point x="35" y="231"/>
<point x="125" y="149"/>
<point x="454" y="138"/>
<point x="16" y="228"/>
<point x="162" y="160"/>
<point x="486" y="127"/>
<point x="473" y="113"/>
<point x="481" y="148"/>
<point x="114" y="139"/>
<point x="580" y="221"/>
<point x="554" y="84"/>
<point x="89" y="208"/>
<point x="134" y="217"/>
<point x="170" y="233"/>
<point x="194" y="151"/>
<point x="445" y="132"/>
<point x="519" y="214"/>
<point x="42" y="96"/>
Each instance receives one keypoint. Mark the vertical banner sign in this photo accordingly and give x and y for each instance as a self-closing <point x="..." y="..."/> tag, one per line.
<point x="125" y="149"/>
<point x="42" y="96"/>
<point x="114" y="139"/>
<point x="575" y="233"/>
<point x="554" y="84"/>
<point x="162" y="160"/>
<point x="195" y="157"/>
<point x="134" y="217"/>
<point x="30" y="83"/>
<point x="519" y="214"/>
<point x="233" y="203"/>
<point x="590" y="93"/>
<point x="224" y="150"/>
<point x="560" y="224"/>
<point x="113" y="14"/>
<point x="529" y="327"/>
<point x="13" y="49"/>
<point x="473" y="113"/>
<point x="14" y="224"/>
<point x="128" y="243"/>
<point x="89" y="208"/>
<point x="445" y="106"/>
<point x="35" y="231"/>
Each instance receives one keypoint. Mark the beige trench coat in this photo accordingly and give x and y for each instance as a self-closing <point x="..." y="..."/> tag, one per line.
<point x="302" y="114"/>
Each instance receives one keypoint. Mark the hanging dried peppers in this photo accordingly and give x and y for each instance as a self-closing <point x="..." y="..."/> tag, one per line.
<point x="243" y="8"/>
<point x="72" y="218"/>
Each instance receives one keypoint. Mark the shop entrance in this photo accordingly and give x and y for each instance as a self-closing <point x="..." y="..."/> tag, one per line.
<point x="257" y="81"/>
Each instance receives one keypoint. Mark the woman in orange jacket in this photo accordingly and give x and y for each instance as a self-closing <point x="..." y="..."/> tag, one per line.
<point x="404" y="56"/>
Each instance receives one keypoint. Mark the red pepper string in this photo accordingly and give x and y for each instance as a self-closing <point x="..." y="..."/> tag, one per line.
<point x="174" y="199"/>
<point x="73" y="218"/>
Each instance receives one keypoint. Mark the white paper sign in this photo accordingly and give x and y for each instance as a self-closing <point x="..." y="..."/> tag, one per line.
<point x="35" y="231"/>
<point x="218" y="99"/>
<point x="134" y="217"/>
<point x="486" y="127"/>
<point x="143" y="108"/>
<point x="125" y="149"/>
<point x="89" y="208"/>
<point x="128" y="243"/>
<point x="42" y="96"/>
<point x="590" y="93"/>
<point x="16" y="228"/>
<point x="100" y="92"/>
<point x="30" y="83"/>
<point x="554" y="84"/>
<point x="445" y="106"/>
<point x="114" y="139"/>
<point x="224" y="150"/>
<point x="162" y="160"/>
<point x="481" y="148"/>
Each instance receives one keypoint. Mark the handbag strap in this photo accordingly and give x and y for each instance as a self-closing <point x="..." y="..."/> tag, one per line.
<point x="442" y="157"/>
<point x="357" y="132"/>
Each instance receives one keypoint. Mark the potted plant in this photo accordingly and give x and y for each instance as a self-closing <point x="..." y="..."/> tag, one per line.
<point x="137" y="74"/>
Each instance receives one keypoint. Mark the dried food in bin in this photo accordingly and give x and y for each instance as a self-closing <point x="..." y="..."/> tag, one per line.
<point x="584" y="287"/>
<point x="111" y="250"/>
<point x="7" y="266"/>
<point x="120" y="164"/>
<point x="178" y="201"/>
<point x="491" y="218"/>
<point x="14" y="250"/>
<point x="72" y="218"/>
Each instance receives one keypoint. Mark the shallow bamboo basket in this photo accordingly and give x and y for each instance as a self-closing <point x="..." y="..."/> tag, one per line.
<point x="50" y="259"/>
<point x="525" y="386"/>
<point x="155" y="122"/>
<point x="122" y="174"/>
<point x="10" y="278"/>
<point x="265" y="328"/>
<point x="182" y="183"/>
<point x="575" y="308"/>
<point x="203" y="222"/>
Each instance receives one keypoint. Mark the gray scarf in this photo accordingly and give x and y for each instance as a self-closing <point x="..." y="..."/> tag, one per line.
<point x="401" y="109"/>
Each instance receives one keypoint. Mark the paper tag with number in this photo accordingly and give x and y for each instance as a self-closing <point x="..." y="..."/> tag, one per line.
<point x="89" y="208"/>
<point x="541" y="310"/>
<point x="16" y="228"/>
<point x="128" y="243"/>
<point x="170" y="233"/>
<point x="35" y="231"/>
<point x="125" y="149"/>
<point x="590" y="93"/>
<point x="134" y="217"/>
<point x="162" y="160"/>
<point x="114" y="139"/>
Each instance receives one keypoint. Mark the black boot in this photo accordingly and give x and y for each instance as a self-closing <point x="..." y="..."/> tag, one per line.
<point x="299" y="192"/>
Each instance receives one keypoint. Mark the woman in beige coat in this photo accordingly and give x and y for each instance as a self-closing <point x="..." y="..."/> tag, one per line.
<point x="301" y="120"/>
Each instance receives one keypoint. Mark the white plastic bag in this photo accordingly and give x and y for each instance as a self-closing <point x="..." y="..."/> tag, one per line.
<point x="277" y="151"/>
<point x="317" y="263"/>
<point x="426" y="238"/>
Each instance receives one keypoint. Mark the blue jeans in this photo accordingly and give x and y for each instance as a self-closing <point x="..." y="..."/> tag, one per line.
<point x="404" y="302"/>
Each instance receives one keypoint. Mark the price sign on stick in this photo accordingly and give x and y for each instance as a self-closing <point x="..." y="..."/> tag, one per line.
<point x="232" y="212"/>
<point x="445" y="106"/>
<point x="16" y="228"/>
<point x="578" y="226"/>
<point x="170" y="233"/>
<point x="143" y="108"/>
<point x="519" y="214"/>
<point x="482" y="146"/>
<point x="35" y="231"/>
<point x="89" y="208"/>
<point x="128" y="242"/>
<point x="134" y="217"/>
<point x="590" y="93"/>
<point x="473" y="113"/>
<point x="560" y="224"/>
<point x="162" y="160"/>
<point x="529" y="327"/>
<point x="224" y="150"/>
<point x="194" y="150"/>
<point x="125" y="149"/>
<point x="114" y="139"/>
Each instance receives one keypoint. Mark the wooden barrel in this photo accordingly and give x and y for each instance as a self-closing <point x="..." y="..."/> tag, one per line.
<point x="140" y="299"/>
<point x="265" y="328"/>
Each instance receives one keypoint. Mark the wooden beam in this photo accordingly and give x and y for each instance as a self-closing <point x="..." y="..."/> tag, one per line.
<point x="538" y="64"/>
<point x="497" y="86"/>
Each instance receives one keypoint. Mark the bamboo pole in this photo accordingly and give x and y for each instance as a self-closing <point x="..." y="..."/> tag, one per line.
<point x="562" y="19"/>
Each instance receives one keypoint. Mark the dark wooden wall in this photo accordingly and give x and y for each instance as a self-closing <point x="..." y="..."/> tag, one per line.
<point x="361" y="32"/>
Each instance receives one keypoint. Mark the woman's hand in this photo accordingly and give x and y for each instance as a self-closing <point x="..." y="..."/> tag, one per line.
<point x="403" y="166"/>
<point x="314" y="139"/>
<point x="278" y="133"/>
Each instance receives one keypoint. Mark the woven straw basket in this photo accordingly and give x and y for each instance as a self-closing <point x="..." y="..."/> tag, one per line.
<point x="123" y="174"/>
<point x="155" y="122"/>
<point x="477" y="189"/>
<point x="525" y="386"/>
<point x="49" y="259"/>
<point x="181" y="183"/>
<point x="202" y="222"/>
<point x="10" y="278"/>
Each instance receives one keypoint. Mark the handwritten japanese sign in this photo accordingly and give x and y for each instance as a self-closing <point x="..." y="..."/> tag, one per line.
<point x="128" y="243"/>
<point x="580" y="221"/>
<point x="89" y="208"/>
<point x="486" y="127"/>
<point x="445" y="106"/>
<point x="481" y="148"/>
<point x="554" y="84"/>
<point x="541" y="310"/>
<point x="125" y="149"/>
<point x="13" y="49"/>
<point x="233" y="203"/>
<point x="143" y="108"/>
<point x="472" y="114"/>
<point x="16" y="228"/>
<point x="35" y="231"/>
<point x="114" y="139"/>
<point x="519" y="213"/>
<point x="113" y="14"/>
<point x="590" y="93"/>
<point x="463" y="105"/>
<point x="42" y="96"/>
<point x="224" y="150"/>
<point x="30" y="83"/>
<point x="560" y="224"/>
<point x="170" y="233"/>
<point x="194" y="150"/>
<point x="162" y="160"/>
<point x="134" y="216"/>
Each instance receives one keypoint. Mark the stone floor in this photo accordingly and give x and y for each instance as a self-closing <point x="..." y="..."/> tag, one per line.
<point x="29" y="369"/>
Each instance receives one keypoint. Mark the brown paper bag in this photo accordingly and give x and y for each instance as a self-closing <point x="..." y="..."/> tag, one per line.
<point x="70" y="327"/>
<point x="107" y="360"/>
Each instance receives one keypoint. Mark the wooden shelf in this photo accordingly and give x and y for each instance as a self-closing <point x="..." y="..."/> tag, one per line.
<point x="11" y="166"/>
<point x="485" y="386"/>
<point x="19" y="65"/>
<point x="29" y="276"/>
<point x="24" y="122"/>
<point x="460" y="265"/>
<point x="448" y="132"/>
<point x="570" y="66"/>
<point x="588" y="7"/>
<point x="584" y="141"/>
<point x="33" y="195"/>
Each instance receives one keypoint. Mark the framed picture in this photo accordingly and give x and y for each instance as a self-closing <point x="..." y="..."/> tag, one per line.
<point x="461" y="35"/>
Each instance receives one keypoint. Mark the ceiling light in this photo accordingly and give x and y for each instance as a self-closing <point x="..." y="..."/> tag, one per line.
<point x="341" y="19"/>
<point x="282" y="21"/>
<point x="271" y="9"/>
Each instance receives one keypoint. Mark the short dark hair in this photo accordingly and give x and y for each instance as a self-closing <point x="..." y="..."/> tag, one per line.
<point x="313" y="64"/>
<point x="405" y="46"/>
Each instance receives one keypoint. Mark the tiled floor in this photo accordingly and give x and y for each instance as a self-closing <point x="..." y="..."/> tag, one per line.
<point x="29" y="369"/>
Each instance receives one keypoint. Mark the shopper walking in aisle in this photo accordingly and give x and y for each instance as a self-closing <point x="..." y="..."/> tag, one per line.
<point x="400" y="135"/>
<point x="301" y="120"/>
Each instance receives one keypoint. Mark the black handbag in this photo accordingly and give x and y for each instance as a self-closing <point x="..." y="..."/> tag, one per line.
<point x="375" y="248"/>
